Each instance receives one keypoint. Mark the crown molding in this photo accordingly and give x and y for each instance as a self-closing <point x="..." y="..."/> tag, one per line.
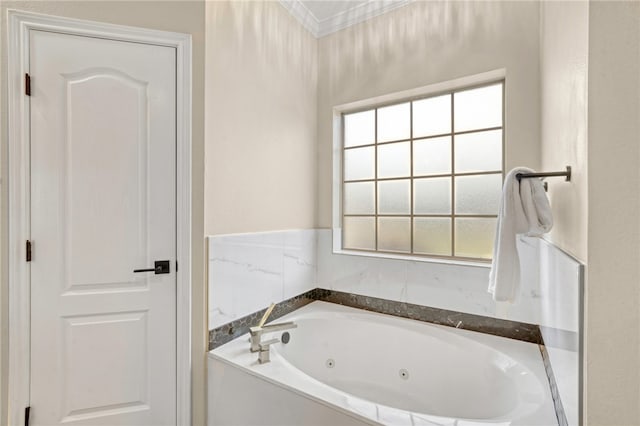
<point x="352" y="16"/>
<point x="303" y="15"/>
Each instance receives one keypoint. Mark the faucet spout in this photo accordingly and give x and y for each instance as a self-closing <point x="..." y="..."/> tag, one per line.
<point x="257" y="332"/>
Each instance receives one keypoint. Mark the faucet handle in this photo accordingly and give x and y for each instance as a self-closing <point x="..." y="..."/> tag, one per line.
<point x="277" y="326"/>
<point x="266" y="314"/>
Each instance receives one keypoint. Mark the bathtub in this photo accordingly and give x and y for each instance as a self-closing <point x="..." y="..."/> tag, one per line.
<point x="345" y="366"/>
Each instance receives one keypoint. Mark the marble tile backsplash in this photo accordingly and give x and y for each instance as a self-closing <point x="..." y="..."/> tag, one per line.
<point x="439" y="285"/>
<point x="249" y="271"/>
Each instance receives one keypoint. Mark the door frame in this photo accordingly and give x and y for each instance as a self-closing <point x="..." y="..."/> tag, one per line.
<point x="19" y="25"/>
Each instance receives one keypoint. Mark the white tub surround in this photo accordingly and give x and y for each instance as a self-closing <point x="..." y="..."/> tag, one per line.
<point x="249" y="271"/>
<point x="350" y="367"/>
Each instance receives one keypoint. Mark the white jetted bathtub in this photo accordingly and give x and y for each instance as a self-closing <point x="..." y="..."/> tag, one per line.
<point x="345" y="366"/>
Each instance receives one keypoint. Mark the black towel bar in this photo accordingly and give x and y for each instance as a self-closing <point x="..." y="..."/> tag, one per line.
<point x="566" y="174"/>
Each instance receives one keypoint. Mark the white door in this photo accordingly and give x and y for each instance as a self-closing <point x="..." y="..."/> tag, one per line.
<point x="103" y="203"/>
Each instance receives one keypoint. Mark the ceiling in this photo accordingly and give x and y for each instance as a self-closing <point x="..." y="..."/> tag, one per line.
<point x="322" y="17"/>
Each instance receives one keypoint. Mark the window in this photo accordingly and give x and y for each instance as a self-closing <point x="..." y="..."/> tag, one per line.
<point x="424" y="177"/>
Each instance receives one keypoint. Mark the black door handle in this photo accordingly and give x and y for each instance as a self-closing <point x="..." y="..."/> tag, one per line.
<point x="160" y="267"/>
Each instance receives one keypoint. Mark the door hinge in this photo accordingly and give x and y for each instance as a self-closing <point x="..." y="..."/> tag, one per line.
<point x="27" y="411"/>
<point x="27" y="84"/>
<point x="28" y="251"/>
<point x="176" y="266"/>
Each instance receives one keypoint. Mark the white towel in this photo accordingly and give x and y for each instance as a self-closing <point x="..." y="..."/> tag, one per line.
<point x="524" y="209"/>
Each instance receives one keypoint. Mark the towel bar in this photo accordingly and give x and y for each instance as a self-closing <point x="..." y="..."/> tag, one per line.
<point x="566" y="174"/>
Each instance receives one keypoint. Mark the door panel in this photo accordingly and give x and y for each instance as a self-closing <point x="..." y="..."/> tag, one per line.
<point x="103" y="339"/>
<point x="87" y="392"/>
<point x="89" y="166"/>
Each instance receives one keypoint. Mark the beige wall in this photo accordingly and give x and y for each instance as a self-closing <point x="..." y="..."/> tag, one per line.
<point x="564" y="51"/>
<point x="430" y="42"/>
<point x="180" y="16"/>
<point x="260" y="127"/>
<point x="613" y="287"/>
<point x="564" y="45"/>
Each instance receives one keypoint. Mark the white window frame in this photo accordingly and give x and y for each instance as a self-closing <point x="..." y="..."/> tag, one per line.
<point x="20" y="24"/>
<point x="398" y="97"/>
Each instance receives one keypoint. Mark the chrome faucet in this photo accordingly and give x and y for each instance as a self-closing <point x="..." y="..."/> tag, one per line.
<point x="256" y="335"/>
<point x="257" y="332"/>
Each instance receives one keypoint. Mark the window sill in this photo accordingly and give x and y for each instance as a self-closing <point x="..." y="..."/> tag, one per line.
<point x="336" y="248"/>
<point x="410" y="258"/>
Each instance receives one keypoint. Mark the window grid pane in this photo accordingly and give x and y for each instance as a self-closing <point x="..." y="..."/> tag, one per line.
<point x="390" y="169"/>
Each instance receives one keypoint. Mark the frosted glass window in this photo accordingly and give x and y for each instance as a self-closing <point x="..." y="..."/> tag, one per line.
<point x="478" y="194"/>
<point x="394" y="234"/>
<point x="394" y="197"/>
<point x="394" y="123"/>
<point x="432" y="196"/>
<point x="432" y="116"/>
<point x="360" y="128"/>
<point x="359" y="198"/>
<point x="359" y="163"/>
<point x="359" y="233"/>
<point x="394" y="160"/>
<point x="432" y="156"/>
<point x="474" y="237"/>
<point x="478" y="108"/>
<point x="432" y="236"/>
<point x="479" y="152"/>
<point x="424" y="176"/>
